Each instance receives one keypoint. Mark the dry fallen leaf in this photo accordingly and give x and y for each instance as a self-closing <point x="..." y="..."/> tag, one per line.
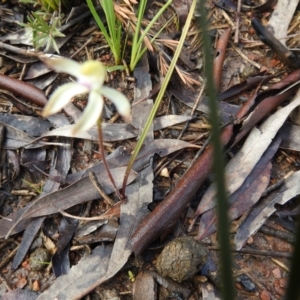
<point x="255" y="145"/>
<point x="288" y="190"/>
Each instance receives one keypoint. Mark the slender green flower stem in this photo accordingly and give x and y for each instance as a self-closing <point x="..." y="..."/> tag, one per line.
<point x="101" y="149"/>
<point x="160" y="95"/>
<point x="228" y="291"/>
<point x="293" y="290"/>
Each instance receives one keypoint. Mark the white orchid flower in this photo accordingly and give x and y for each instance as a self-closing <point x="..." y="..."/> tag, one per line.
<point x="90" y="78"/>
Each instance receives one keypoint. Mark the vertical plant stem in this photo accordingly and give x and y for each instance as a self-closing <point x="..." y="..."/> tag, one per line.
<point x="135" y="46"/>
<point x="228" y="291"/>
<point x="293" y="290"/>
<point x="160" y="95"/>
<point x="101" y="149"/>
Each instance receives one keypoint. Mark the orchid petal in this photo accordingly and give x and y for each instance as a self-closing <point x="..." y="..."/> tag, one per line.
<point x="62" y="96"/>
<point x="63" y="65"/>
<point x="91" y="114"/>
<point x="119" y="100"/>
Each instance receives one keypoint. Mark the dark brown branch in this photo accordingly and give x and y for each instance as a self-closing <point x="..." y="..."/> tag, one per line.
<point x="23" y="89"/>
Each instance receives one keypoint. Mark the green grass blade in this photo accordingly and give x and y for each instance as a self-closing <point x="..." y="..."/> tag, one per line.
<point x="113" y="28"/>
<point x="160" y="12"/>
<point x="160" y="94"/>
<point x="108" y="9"/>
<point x="228" y="290"/>
<point x="293" y="290"/>
<point x="134" y="49"/>
<point x="141" y="53"/>
<point x="137" y="42"/>
<point x="109" y="39"/>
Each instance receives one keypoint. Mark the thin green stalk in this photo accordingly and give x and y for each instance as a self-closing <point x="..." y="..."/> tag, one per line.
<point x="114" y="39"/>
<point x="136" y="34"/>
<point x="293" y="290"/>
<point x="228" y="290"/>
<point x="102" y="152"/>
<point x="141" y="53"/>
<point x="159" y="96"/>
<point x="137" y="52"/>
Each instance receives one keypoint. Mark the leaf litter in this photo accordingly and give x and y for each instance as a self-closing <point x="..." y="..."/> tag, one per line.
<point x="249" y="175"/>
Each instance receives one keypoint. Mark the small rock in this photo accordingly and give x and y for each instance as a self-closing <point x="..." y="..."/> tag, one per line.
<point x="246" y="282"/>
<point x="276" y="273"/>
<point x="182" y="259"/>
<point x="264" y="295"/>
<point x="278" y="287"/>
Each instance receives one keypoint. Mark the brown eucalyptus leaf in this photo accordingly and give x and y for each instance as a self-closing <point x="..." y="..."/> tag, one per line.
<point x="220" y="53"/>
<point x="15" y="139"/>
<point x="23" y="89"/>
<point x="255" y="145"/>
<point x="188" y="97"/>
<point x="111" y="132"/>
<point x="232" y="169"/>
<point x="81" y="278"/>
<point x="290" y="135"/>
<point x="79" y="192"/>
<point x="243" y="199"/>
<point x="262" y="109"/>
<point x="43" y="81"/>
<point x="170" y="120"/>
<point x="246" y="85"/>
<point x="31" y="125"/>
<point x="287" y="191"/>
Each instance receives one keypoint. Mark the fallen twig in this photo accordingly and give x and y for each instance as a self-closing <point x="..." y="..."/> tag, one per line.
<point x="220" y="56"/>
<point x="26" y="90"/>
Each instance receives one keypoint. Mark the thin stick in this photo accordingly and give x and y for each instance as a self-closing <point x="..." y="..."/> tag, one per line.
<point x="82" y="218"/>
<point x="101" y="149"/>
<point x="253" y="63"/>
<point x="5" y="282"/>
<point x="8" y="257"/>
<point x="256" y="252"/>
<point x="238" y="12"/>
<point x="97" y="185"/>
<point x="198" y="99"/>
